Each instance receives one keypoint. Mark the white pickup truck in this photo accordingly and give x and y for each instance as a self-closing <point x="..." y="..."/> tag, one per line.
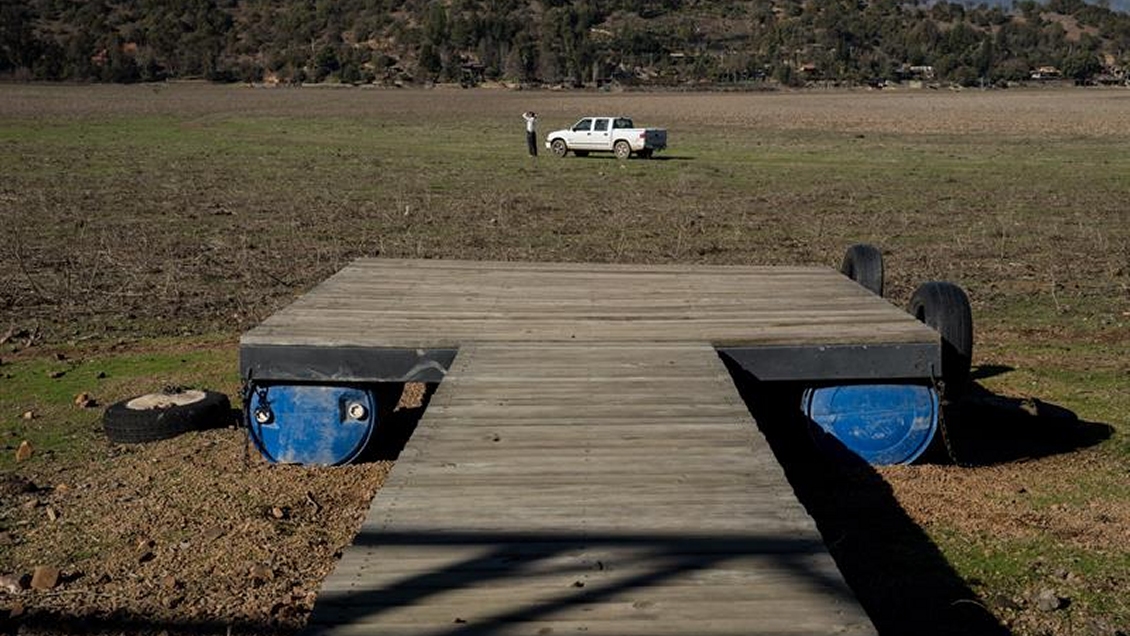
<point x="606" y="134"/>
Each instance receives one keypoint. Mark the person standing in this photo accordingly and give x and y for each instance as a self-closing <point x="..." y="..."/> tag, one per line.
<point x="531" y="133"/>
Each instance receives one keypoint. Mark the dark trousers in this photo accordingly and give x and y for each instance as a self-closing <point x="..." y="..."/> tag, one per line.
<point x="532" y="142"/>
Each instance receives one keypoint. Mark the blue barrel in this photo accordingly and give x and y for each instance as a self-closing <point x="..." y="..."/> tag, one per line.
<point x="311" y="424"/>
<point x="882" y="423"/>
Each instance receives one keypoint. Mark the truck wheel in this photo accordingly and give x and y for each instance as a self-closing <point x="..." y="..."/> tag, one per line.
<point x="622" y="150"/>
<point x="558" y="148"/>
<point x="157" y="416"/>
<point x="645" y="153"/>
<point x="945" y="307"/>
<point x="863" y="263"/>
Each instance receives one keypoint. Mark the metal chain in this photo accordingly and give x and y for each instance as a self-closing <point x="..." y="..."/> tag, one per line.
<point x="248" y="389"/>
<point x="943" y="428"/>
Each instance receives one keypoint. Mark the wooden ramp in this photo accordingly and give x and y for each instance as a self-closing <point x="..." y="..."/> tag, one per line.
<point x="586" y="465"/>
<point x="606" y="488"/>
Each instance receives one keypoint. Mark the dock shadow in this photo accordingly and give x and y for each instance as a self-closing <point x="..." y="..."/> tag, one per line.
<point x="897" y="573"/>
<point x="50" y="621"/>
<point x="984" y="429"/>
<point x="394" y="430"/>
<point x="574" y="560"/>
<point x="986" y="371"/>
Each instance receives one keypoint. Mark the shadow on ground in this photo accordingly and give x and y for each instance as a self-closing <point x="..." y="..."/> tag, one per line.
<point x="610" y="157"/>
<point x="49" y="622"/>
<point x="394" y="431"/>
<point x="897" y="573"/>
<point x="985" y="429"/>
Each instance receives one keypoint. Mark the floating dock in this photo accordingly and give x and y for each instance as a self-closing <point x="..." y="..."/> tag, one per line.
<point x="586" y="465"/>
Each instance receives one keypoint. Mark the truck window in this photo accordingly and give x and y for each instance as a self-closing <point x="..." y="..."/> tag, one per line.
<point x="583" y="125"/>
<point x="601" y="125"/>
<point x="622" y="122"/>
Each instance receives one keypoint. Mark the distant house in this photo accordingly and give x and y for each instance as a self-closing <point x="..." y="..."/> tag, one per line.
<point x="923" y="72"/>
<point x="916" y="72"/>
<point x="1046" y="73"/>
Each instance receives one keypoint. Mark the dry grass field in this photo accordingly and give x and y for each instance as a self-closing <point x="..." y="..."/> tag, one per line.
<point x="142" y="228"/>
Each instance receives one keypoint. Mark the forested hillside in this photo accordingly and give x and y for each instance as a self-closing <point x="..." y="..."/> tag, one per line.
<point x="569" y="42"/>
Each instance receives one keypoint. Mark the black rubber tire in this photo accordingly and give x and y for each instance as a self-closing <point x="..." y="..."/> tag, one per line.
<point x="645" y="153"/>
<point x="863" y="263"/>
<point x="558" y="148"/>
<point x="622" y="149"/>
<point x="945" y="307"/>
<point x="125" y="425"/>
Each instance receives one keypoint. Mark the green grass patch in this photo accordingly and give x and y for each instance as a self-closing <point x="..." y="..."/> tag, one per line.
<point x="1020" y="568"/>
<point x="46" y="386"/>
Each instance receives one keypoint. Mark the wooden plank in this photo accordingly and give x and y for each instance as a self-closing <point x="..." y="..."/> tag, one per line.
<point x="540" y="493"/>
<point x="441" y="304"/>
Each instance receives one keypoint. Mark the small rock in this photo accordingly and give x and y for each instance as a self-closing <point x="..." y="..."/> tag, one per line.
<point x="85" y="401"/>
<point x="62" y="489"/>
<point x="211" y="534"/>
<point x="278" y="513"/>
<point x="261" y="573"/>
<point x="1048" y="601"/>
<point x="28" y="415"/>
<point x="144" y="550"/>
<point x="170" y="582"/>
<point x="24" y="452"/>
<point x="44" y="577"/>
<point x="11" y="583"/>
<point x="55" y="375"/>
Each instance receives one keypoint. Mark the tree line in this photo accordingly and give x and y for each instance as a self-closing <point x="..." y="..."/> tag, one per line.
<point x="571" y="42"/>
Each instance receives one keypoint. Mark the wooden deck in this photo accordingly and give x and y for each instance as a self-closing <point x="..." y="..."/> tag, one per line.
<point x="586" y="465"/>
<point x="606" y="489"/>
<point x="403" y="320"/>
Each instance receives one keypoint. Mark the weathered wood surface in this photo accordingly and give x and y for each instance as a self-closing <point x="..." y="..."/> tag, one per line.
<point x="595" y="488"/>
<point x="420" y="303"/>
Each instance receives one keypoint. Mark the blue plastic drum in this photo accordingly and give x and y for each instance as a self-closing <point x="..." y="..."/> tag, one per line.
<point x="311" y="424"/>
<point x="882" y="423"/>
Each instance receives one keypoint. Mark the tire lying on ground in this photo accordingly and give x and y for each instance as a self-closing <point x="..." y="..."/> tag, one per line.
<point x="863" y="263"/>
<point x="945" y="307"/>
<point x="156" y="416"/>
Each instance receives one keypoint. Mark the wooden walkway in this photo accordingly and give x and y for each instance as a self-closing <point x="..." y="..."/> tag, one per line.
<point x="586" y="465"/>
<point x="598" y="489"/>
